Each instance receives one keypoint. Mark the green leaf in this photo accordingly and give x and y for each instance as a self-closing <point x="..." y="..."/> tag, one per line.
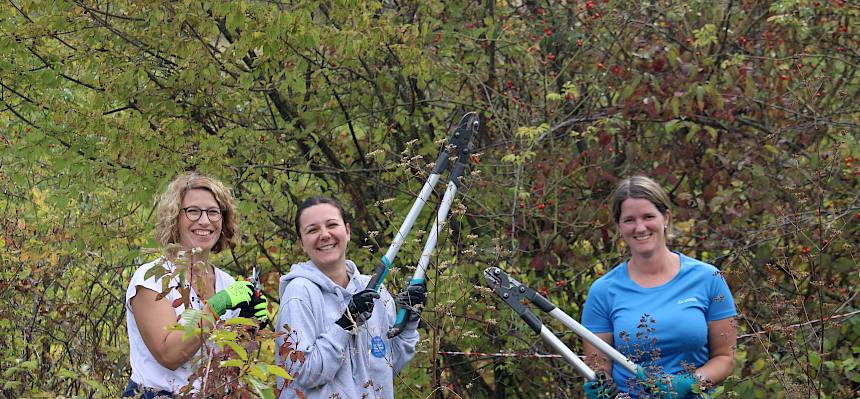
<point x="814" y="359"/>
<point x="278" y="371"/>
<point x="258" y="371"/>
<point x="191" y="319"/>
<point x="233" y="363"/>
<point x="263" y="390"/>
<point x="243" y="354"/>
<point x="66" y="373"/>
<point x="674" y="125"/>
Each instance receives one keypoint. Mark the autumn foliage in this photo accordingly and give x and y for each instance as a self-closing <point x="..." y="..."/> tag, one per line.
<point x="748" y="112"/>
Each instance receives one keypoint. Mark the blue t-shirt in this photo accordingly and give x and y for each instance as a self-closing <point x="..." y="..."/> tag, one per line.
<point x="664" y="326"/>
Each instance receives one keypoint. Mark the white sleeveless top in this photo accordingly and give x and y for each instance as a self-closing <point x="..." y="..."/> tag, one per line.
<point x="145" y="369"/>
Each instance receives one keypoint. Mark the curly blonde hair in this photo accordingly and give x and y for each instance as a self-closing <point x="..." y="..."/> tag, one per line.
<point x="170" y="202"/>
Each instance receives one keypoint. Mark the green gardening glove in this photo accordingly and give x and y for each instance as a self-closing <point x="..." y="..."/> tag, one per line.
<point x="232" y="297"/>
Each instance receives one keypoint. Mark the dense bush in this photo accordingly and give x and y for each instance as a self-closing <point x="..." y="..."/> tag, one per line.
<point x="747" y="111"/>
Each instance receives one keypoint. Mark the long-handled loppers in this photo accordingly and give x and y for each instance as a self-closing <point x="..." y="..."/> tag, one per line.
<point x="458" y="145"/>
<point x="517" y="296"/>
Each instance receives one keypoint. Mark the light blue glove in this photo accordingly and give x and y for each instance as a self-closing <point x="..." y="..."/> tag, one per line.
<point x="668" y="386"/>
<point x="600" y="387"/>
<point x="595" y="390"/>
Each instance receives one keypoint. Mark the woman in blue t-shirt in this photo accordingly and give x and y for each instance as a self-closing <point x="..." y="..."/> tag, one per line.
<point x="670" y="314"/>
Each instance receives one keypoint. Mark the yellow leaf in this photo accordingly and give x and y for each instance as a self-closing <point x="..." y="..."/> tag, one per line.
<point x="232" y="363"/>
<point x="758" y="365"/>
<point x="244" y="321"/>
<point x="279" y="371"/>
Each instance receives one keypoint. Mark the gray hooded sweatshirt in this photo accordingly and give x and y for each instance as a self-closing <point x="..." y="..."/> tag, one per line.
<point x="337" y="363"/>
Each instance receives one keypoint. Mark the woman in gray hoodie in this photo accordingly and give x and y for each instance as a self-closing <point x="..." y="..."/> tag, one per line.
<point x="339" y="327"/>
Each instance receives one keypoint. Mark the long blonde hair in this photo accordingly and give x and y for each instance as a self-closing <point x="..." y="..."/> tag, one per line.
<point x="170" y="202"/>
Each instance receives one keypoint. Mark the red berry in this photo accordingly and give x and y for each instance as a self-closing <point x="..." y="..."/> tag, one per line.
<point x="600" y="65"/>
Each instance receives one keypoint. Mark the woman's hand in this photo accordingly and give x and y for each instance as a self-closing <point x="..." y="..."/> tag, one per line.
<point x="358" y="311"/>
<point x="601" y="387"/>
<point x="413" y="298"/>
<point x="667" y="386"/>
<point x="258" y="308"/>
<point x="234" y="296"/>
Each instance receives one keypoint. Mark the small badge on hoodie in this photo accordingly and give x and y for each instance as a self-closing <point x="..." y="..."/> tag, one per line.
<point x="377" y="347"/>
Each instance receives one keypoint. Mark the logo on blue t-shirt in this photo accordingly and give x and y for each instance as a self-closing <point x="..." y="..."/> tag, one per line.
<point x="690" y="299"/>
<point x="377" y="347"/>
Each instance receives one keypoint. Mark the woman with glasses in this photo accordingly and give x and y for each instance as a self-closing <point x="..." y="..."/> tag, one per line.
<point x="196" y="216"/>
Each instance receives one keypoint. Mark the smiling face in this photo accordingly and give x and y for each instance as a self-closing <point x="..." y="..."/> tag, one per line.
<point x="202" y="233"/>
<point x="642" y="227"/>
<point x="324" y="236"/>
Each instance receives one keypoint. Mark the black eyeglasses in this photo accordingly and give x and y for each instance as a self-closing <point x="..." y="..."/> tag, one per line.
<point x="193" y="213"/>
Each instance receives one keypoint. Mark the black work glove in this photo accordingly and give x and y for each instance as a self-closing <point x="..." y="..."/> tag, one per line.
<point x="413" y="299"/>
<point x="358" y="311"/>
<point x="257" y="309"/>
